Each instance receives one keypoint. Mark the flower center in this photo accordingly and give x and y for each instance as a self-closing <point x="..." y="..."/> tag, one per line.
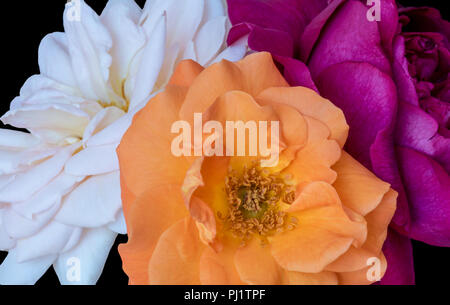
<point x="254" y="201"/>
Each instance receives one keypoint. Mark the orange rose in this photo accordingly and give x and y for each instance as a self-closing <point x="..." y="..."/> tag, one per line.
<point x="317" y="217"/>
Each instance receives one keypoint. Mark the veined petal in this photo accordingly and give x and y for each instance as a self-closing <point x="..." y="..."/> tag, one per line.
<point x="6" y="242"/>
<point x="54" y="59"/>
<point x="147" y="65"/>
<point x="94" y="203"/>
<point x="209" y="39"/>
<point x="101" y="120"/>
<point x="93" y="160"/>
<point x="48" y="196"/>
<point x="92" y="252"/>
<point x="89" y="43"/>
<point x="121" y="18"/>
<point x="14" y="273"/>
<point x="18" y="226"/>
<point x="34" y="179"/>
<point x="44" y="119"/>
<point x="50" y="240"/>
<point x="16" y="139"/>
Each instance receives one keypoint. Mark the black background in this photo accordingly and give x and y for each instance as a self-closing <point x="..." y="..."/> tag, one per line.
<point x="25" y="23"/>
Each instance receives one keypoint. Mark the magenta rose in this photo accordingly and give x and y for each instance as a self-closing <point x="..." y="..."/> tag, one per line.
<point x="390" y="77"/>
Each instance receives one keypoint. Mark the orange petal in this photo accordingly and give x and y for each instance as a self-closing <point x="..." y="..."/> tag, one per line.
<point x="362" y="276"/>
<point x="256" y="266"/>
<point x="313" y="162"/>
<point x="378" y="221"/>
<point x="145" y="155"/>
<point x="313" y="195"/>
<point x="309" y="103"/>
<point x="253" y="74"/>
<point x="323" y="233"/>
<point x="358" y="188"/>
<point x="176" y="258"/>
<point x="321" y="278"/>
<point x="185" y="73"/>
<point x="148" y="217"/>
<point x="209" y="85"/>
<point x="260" y="73"/>
<point x="218" y="268"/>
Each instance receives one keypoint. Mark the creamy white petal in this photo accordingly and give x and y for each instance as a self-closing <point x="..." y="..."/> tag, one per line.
<point x="101" y="120"/>
<point x="39" y="89"/>
<point x="189" y="52"/>
<point x="119" y="225"/>
<point x="210" y="39"/>
<point x="17" y="139"/>
<point x="94" y="203"/>
<point x="13" y="161"/>
<point x="93" y="160"/>
<point x="28" y="273"/>
<point x="147" y="65"/>
<point x="214" y="9"/>
<point x="63" y="120"/>
<point x="52" y="239"/>
<point x="121" y="17"/>
<point x="184" y="18"/>
<point x="234" y="52"/>
<point x="18" y="226"/>
<point x="54" y="59"/>
<point x="112" y="133"/>
<point x="91" y="254"/>
<point x="26" y="184"/>
<point x="6" y="242"/>
<point x="89" y="43"/>
<point x="48" y="196"/>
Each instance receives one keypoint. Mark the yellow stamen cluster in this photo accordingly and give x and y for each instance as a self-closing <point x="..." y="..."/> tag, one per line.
<point x="253" y="199"/>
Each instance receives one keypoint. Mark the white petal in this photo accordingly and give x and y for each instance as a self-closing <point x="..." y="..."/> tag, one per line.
<point x="121" y="17"/>
<point x="18" y="226"/>
<point x="102" y="119"/>
<point x="93" y="160"/>
<point x="183" y="18"/>
<point x="214" y="8"/>
<point x="16" y="139"/>
<point x="54" y="59"/>
<point x="63" y="120"/>
<point x="13" y="161"/>
<point x="6" y="242"/>
<point x="210" y="39"/>
<point x="189" y="51"/>
<point x="52" y="239"/>
<point x="39" y="89"/>
<point x="28" y="273"/>
<point x="94" y="203"/>
<point x="147" y="65"/>
<point x="112" y="133"/>
<point x="89" y="43"/>
<point x="235" y="52"/>
<point x="26" y="184"/>
<point x="91" y="253"/>
<point x="119" y="225"/>
<point x="48" y="196"/>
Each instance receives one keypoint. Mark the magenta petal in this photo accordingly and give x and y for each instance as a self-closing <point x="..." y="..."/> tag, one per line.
<point x="349" y="36"/>
<point x="289" y="16"/>
<point x="428" y="188"/>
<point x="313" y="29"/>
<point x="398" y="252"/>
<point x="296" y="72"/>
<point x="369" y="101"/>
<point x="418" y="130"/>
